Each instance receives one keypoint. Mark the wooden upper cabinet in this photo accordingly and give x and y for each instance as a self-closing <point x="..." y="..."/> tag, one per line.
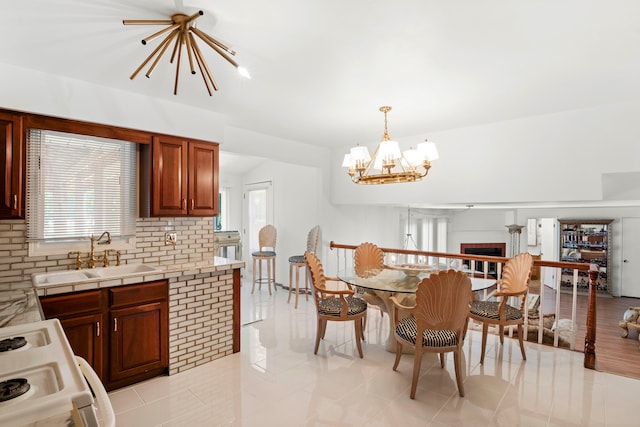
<point x="12" y="166"/>
<point x="203" y="179"/>
<point x="169" y="176"/>
<point x="184" y="177"/>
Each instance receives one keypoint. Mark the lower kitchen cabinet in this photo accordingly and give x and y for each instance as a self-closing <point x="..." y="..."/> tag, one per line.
<point x="134" y="346"/>
<point x="84" y="333"/>
<point x="139" y="343"/>
<point x="83" y="317"/>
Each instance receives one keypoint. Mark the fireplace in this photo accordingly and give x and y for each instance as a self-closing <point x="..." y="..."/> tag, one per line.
<point x="484" y="249"/>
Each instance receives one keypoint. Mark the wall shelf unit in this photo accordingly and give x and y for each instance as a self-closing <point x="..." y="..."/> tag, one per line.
<point x="585" y="241"/>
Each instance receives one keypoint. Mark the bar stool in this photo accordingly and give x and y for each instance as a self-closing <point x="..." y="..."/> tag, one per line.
<point x="267" y="240"/>
<point x="297" y="262"/>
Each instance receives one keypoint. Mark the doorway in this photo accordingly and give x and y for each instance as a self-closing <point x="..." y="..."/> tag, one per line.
<point x="257" y="212"/>
<point x="549" y="249"/>
<point x="630" y="261"/>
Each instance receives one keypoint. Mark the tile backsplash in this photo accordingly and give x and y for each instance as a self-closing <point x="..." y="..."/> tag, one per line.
<point x="194" y="242"/>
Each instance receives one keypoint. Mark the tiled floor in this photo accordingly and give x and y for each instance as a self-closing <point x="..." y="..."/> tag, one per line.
<point x="276" y="380"/>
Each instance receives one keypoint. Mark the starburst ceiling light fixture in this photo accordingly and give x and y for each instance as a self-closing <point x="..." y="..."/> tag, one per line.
<point x="181" y="31"/>
<point x="394" y="166"/>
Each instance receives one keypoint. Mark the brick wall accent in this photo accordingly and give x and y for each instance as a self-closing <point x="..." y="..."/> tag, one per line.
<point x="200" y="319"/>
<point x="195" y="241"/>
<point x="200" y="299"/>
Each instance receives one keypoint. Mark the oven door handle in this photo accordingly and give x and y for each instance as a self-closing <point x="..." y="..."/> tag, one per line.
<point x="102" y="398"/>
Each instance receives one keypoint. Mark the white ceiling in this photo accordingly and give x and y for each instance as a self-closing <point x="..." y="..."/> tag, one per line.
<point x="321" y="68"/>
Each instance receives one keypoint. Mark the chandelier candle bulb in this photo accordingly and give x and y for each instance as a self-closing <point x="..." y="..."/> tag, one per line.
<point x="395" y="166"/>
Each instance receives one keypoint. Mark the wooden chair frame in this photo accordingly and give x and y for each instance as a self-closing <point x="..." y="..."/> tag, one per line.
<point x="514" y="283"/>
<point x="321" y="292"/>
<point x="441" y="309"/>
<point x="313" y="238"/>
<point x="266" y="239"/>
<point x="368" y="261"/>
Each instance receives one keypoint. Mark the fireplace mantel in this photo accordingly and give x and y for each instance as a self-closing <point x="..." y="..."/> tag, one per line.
<point x="485" y="249"/>
<point x="488" y="249"/>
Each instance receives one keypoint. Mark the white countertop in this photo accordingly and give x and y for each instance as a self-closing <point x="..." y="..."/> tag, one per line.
<point x="189" y="267"/>
<point x="19" y="306"/>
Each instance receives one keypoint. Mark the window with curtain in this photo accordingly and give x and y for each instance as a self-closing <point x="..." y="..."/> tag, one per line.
<point x="79" y="186"/>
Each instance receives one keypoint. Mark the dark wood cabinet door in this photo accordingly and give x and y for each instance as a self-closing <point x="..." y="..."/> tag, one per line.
<point x="203" y="179"/>
<point x="12" y="166"/>
<point x="85" y="334"/>
<point x="169" y="176"/>
<point x="139" y="340"/>
<point x="83" y="318"/>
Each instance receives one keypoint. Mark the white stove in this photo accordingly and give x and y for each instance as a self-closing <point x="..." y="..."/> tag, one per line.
<point x="47" y="379"/>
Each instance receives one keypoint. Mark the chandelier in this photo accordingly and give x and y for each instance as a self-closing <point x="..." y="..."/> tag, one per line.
<point x="180" y="31"/>
<point x="393" y="166"/>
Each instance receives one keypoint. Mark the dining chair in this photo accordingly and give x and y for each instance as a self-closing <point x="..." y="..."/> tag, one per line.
<point x="368" y="261"/>
<point x="514" y="283"/>
<point x="266" y="252"/>
<point x="334" y="304"/>
<point x="439" y="316"/>
<point x="297" y="262"/>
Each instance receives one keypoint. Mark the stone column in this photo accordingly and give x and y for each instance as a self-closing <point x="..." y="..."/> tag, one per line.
<point x="514" y="241"/>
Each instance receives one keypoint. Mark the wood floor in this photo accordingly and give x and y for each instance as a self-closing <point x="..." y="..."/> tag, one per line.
<point x="614" y="354"/>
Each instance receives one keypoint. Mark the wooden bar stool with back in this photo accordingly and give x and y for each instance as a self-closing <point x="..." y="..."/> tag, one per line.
<point x="297" y="262"/>
<point x="267" y="252"/>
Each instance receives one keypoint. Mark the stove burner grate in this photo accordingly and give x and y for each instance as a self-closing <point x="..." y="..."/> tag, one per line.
<point x="13" y="388"/>
<point x="12" y="343"/>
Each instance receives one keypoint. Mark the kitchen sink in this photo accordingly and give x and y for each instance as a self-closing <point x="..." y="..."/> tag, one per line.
<point x="41" y="279"/>
<point x="69" y="276"/>
<point x="122" y="270"/>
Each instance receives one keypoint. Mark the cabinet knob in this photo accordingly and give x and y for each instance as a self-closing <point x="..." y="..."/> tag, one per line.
<point x="193" y="204"/>
<point x="15" y="201"/>
<point x="97" y="329"/>
<point x="626" y="260"/>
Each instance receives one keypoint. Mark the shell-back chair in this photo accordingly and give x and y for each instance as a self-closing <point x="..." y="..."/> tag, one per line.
<point x="514" y="283"/>
<point x="333" y="304"/>
<point x="439" y="316"/>
<point x="368" y="261"/>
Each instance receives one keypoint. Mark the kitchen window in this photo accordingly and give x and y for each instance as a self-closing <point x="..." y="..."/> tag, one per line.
<point x="78" y="186"/>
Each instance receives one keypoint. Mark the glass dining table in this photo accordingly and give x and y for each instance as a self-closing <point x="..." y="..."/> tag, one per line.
<point x="387" y="282"/>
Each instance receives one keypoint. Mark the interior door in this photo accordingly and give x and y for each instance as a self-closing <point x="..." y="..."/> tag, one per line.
<point x="549" y="249"/>
<point x="258" y="212"/>
<point x="630" y="286"/>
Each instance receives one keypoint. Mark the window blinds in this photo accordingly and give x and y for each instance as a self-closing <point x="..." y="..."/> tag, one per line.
<point x="79" y="186"/>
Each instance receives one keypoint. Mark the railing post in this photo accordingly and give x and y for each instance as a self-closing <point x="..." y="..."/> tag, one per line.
<point x="590" y="337"/>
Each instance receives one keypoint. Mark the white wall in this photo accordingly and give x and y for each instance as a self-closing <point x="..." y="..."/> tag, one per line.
<point x="31" y="91"/>
<point x="296" y="191"/>
<point x="477" y="226"/>
<point x="556" y="157"/>
<point x="35" y="92"/>
<point x="233" y="183"/>
<point x="300" y="203"/>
